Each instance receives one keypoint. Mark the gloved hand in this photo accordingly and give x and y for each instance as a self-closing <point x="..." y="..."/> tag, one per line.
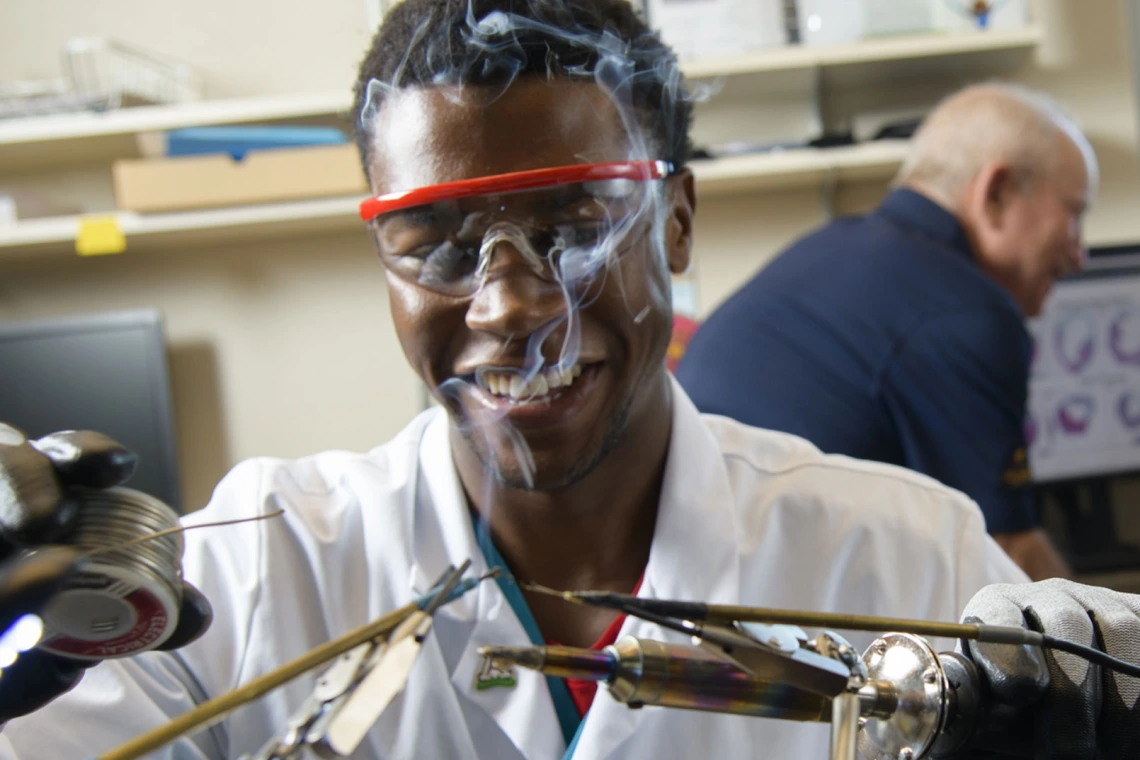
<point x="1077" y="710"/>
<point x="38" y="505"/>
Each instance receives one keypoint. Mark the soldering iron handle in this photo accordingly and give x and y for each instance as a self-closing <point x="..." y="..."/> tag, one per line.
<point x="978" y="726"/>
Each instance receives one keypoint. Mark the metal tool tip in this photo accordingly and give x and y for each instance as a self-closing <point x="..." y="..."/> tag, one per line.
<point x="538" y="588"/>
<point x="526" y="657"/>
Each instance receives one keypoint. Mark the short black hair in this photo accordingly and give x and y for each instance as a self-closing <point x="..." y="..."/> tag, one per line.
<point x="435" y="42"/>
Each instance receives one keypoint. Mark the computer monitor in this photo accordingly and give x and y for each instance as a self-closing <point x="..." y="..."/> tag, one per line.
<point x="106" y="372"/>
<point x="1084" y="383"/>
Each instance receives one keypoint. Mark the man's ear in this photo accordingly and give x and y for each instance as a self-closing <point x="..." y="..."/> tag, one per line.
<point x="681" y="197"/>
<point x="993" y="191"/>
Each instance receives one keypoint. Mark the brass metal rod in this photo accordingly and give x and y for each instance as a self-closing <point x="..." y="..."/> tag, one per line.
<point x="726" y="613"/>
<point x="218" y="707"/>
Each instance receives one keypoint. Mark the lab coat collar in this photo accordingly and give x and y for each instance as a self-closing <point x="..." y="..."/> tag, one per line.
<point x="694" y="555"/>
<point x="444" y="535"/>
<point x="694" y="551"/>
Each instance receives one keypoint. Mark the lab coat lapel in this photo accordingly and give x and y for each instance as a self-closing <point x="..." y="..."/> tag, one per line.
<point x="443" y="535"/>
<point x="694" y="556"/>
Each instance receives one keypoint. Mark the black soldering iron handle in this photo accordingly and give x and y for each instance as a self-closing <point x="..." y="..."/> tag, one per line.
<point x="978" y="726"/>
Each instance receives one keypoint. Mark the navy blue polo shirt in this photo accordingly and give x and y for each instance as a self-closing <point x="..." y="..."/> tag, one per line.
<point x="880" y="338"/>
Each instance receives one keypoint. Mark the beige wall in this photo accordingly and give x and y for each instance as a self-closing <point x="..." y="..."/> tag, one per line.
<point x="285" y="347"/>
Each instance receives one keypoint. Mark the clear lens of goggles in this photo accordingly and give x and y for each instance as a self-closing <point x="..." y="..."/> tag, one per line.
<point x="445" y="246"/>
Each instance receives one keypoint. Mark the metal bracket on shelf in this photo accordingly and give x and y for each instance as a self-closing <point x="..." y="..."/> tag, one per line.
<point x="818" y="117"/>
<point x="828" y="189"/>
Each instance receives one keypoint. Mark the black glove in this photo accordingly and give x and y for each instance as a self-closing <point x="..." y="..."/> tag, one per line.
<point x="38" y="505"/>
<point x="1075" y="710"/>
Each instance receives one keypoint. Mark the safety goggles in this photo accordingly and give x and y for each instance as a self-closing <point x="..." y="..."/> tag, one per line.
<point x="442" y="237"/>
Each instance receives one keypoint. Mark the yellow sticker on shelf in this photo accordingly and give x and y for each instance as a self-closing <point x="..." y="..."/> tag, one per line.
<point x="99" y="235"/>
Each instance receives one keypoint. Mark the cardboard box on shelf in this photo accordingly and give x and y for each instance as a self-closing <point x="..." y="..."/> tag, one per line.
<point x="270" y="176"/>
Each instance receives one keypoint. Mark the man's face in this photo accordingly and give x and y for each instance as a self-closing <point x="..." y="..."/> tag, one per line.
<point x="467" y="348"/>
<point x="1040" y="239"/>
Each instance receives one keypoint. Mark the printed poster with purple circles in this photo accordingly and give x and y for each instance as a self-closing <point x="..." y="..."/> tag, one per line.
<point x="1084" y="382"/>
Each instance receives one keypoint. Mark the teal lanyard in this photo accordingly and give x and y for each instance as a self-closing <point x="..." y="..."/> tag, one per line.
<point x="574" y="742"/>
<point x="564" y="706"/>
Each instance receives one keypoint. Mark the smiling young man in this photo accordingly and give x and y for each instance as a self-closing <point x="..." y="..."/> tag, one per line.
<point x="597" y="444"/>
<point x="531" y="201"/>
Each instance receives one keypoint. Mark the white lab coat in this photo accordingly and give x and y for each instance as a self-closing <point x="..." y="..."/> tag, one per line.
<point x="746" y="516"/>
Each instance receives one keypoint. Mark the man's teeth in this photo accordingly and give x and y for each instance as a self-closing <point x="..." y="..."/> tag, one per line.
<point x="512" y="385"/>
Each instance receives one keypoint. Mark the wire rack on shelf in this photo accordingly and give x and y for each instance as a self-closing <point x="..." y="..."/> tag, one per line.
<point x="102" y="74"/>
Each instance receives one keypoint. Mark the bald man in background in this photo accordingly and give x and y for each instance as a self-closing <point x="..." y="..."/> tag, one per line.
<point x="899" y="336"/>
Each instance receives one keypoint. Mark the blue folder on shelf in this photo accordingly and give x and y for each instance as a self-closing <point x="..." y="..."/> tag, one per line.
<point x="237" y="141"/>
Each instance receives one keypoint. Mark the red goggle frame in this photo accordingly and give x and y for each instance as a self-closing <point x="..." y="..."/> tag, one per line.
<point x="513" y="182"/>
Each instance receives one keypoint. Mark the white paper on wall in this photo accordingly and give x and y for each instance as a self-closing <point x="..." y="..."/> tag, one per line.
<point x="708" y="28"/>
<point x="830" y="22"/>
<point x="954" y="15"/>
<point x="1084" y="384"/>
<point x="887" y="17"/>
<point x="684" y="289"/>
<point x="836" y="22"/>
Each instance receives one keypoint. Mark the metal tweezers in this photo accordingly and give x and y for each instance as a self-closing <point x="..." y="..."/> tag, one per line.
<point x="351" y="695"/>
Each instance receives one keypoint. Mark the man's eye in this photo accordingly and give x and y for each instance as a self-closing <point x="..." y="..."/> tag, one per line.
<point x="578" y="235"/>
<point x="425" y="250"/>
<point x="444" y="251"/>
<point x="419" y="227"/>
<point x="611" y="188"/>
<point x="402" y="239"/>
<point x="447" y="262"/>
<point x="584" y="208"/>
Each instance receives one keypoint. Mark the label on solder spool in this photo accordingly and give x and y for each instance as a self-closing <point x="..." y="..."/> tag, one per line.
<point x="108" y="611"/>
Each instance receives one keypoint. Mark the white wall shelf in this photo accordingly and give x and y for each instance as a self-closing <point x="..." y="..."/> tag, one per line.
<point x="144" y="231"/>
<point x="767" y="171"/>
<point x="802" y="167"/>
<point x="79" y="138"/>
<point x="794" y="57"/>
<point x="85" y="138"/>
